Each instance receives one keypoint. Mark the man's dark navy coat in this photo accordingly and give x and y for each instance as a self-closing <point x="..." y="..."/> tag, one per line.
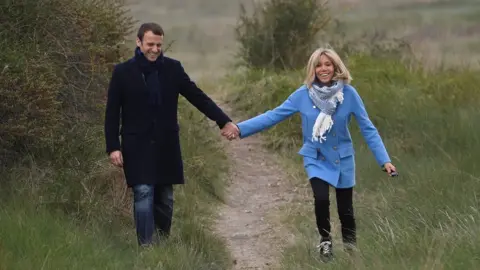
<point x="150" y="142"/>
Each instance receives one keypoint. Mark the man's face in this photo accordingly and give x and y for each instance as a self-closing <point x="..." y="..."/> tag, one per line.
<point x="151" y="45"/>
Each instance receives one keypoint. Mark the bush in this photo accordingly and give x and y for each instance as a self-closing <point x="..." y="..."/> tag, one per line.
<point x="56" y="57"/>
<point x="280" y="34"/>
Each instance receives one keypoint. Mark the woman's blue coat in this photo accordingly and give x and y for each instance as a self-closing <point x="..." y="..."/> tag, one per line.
<point x="332" y="160"/>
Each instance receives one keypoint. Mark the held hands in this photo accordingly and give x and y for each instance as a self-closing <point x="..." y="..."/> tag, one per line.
<point x="230" y="131"/>
<point x="116" y="158"/>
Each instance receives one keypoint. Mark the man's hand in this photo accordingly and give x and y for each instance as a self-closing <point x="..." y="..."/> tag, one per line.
<point x="116" y="158"/>
<point x="230" y="131"/>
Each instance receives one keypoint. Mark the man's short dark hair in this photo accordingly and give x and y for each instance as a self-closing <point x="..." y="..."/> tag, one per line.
<point x="154" y="27"/>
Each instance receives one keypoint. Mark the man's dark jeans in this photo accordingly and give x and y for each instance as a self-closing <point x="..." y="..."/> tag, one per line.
<point x="153" y="210"/>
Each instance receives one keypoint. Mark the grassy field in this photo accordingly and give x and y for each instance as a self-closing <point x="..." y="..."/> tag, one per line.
<point x="80" y="218"/>
<point x="427" y="218"/>
<point x="72" y="210"/>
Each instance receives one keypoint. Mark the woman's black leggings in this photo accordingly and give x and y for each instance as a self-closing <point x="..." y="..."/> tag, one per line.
<point x="344" y="207"/>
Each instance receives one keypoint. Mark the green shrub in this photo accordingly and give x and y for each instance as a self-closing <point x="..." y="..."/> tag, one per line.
<point x="56" y="57"/>
<point x="281" y="33"/>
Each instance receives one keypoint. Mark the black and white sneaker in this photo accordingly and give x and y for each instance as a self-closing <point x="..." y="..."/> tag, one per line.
<point x="325" y="249"/>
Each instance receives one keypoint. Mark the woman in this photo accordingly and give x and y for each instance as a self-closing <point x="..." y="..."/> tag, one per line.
<point x="326" y="103"/>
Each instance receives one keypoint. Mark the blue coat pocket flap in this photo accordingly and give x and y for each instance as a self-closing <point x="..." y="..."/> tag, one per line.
<point x="308" y="151"/>
<point x="346" y="151"/>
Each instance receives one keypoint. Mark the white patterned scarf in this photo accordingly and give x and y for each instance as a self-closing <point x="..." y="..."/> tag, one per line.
<point x="326" y="99"/>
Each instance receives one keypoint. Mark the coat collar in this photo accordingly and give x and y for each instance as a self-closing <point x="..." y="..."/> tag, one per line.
<point x="137" y="75"/>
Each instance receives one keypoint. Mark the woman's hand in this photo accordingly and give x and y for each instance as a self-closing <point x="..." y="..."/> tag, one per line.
<point x="389" y="168"/>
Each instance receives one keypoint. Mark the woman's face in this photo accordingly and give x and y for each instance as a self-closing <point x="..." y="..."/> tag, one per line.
<point x="325" y="70"/>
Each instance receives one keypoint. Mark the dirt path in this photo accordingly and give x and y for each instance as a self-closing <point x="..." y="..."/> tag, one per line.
<point x="257" y="189"/>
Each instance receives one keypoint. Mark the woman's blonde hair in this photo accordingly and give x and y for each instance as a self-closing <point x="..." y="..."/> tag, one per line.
<point x="340" y="70"/>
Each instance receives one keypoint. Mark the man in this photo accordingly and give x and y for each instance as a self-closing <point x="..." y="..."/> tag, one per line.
<point x="143" y="98"/>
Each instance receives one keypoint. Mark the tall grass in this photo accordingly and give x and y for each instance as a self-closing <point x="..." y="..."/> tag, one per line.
<point x="42" y="228"/>
<point x="428" y="218"/>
